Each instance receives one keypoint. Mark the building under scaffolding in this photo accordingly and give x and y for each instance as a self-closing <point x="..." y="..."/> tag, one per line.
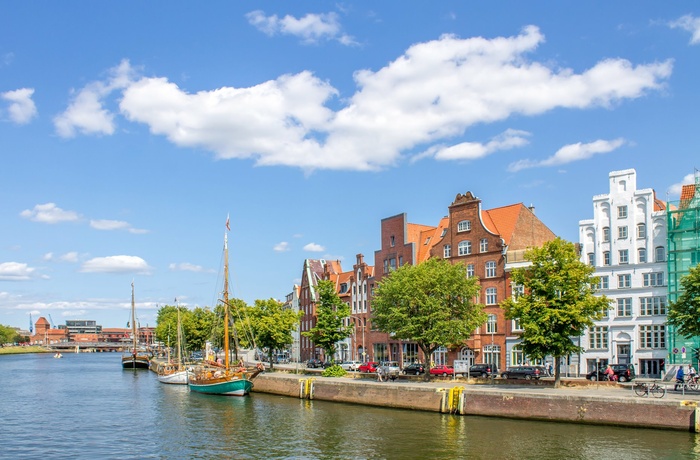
<point x="683" y="218"/>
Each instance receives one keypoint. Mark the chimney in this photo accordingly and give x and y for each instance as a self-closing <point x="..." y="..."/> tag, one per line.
<point x="531" y="208"/>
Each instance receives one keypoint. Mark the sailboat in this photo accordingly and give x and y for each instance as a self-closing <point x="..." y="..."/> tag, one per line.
<point x="223" y="379"/>
<point x="175" y="373"/>
<point x="135" y="358"/>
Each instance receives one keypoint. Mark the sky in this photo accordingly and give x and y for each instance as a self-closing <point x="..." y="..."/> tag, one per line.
<point x="130" y="131"/>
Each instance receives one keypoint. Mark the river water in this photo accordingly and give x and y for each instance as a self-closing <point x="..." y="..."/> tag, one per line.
<point x="85" y="406"/>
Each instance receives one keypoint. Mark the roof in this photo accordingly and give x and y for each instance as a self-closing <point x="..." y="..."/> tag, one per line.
<point x="42" y="321"/>
<point x="687" y="194"/>
<point x="502" y="220"/>
<point x="659" y="205"/>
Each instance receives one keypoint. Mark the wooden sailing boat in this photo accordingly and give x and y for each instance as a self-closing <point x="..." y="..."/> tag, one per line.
<point x="135" y="358"/>
<point x="223" y="380"/>
<point x="175" y="373"/>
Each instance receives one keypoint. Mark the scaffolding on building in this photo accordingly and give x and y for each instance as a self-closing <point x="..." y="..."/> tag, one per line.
<point x="683" y="246"/>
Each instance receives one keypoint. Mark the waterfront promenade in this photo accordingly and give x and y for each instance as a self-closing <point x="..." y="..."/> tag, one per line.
<point x="579" y="401"/>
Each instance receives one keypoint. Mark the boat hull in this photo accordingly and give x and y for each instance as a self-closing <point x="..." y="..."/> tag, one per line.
<point x="135" y="362"/>
<point x="174" y="378"/>
<point x="234" y="387"/>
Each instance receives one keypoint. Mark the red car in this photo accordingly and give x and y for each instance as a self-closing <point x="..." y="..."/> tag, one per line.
<point x="441" y="369"/>
<point x="370" y="366"/>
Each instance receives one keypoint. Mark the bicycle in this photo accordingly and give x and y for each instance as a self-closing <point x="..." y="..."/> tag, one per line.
<point x="643" y="389"/>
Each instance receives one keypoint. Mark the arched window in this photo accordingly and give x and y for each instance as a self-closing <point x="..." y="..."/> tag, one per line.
<point x="464" y="248"/>
<point x="464" y="226"/>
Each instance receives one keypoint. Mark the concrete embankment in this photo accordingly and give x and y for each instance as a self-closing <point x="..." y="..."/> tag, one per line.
<point x="600" y="405"/>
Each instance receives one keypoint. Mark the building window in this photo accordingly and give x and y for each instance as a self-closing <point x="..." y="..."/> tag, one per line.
<point x="641" y="231"/>
<point x="604" y="282"/>
<point x="464" y="226"/>
<point x="517" y="357"/>
<point x="392" y="264"/>
<point x="464" y="248"/>
<point x="490" y="269"/>
<point x="659" y="254"/>
<point x="400" y="261"/>
<point x="392" y="241"/>
<point x="483" y="245"/>
<point x="642" y="255"/>
<point x="470" y="271"/>
<point x="517" y="290"/>
<point x="624" y="256"/>
<point x="606" y="234"/>
<point x="491" y="296"/>
<point x="652" y="306"/>
<point x="598" y="338"/>
<point x="654" y="279"/>
<point x="492" y="325"/>
<point x="591" y="259"/>
<point x="444" y="232"/>
<point x="652" y="336"/>
<point x="606" y="258"/>
<point x="492" y="354"/>
<point x="515" y="325"/>
<point x="624" y="306"/>
<point x="622" y="212"/>
<point x="624" y="281"/>
<point x="622" y="232"/>
<point x="447" y="251"/>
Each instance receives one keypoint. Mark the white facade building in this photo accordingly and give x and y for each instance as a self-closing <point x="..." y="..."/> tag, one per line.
<point x="626" y="243"/>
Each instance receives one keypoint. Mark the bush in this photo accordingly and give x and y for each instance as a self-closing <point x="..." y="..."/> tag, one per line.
<point x="334" y="371"/>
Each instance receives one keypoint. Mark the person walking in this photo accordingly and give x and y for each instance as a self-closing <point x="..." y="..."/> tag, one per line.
<point x="679" y="377"/>
<point x="380" y="374"/>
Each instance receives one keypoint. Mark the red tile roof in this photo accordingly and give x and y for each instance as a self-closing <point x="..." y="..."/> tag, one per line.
<point x="502" y="220"/>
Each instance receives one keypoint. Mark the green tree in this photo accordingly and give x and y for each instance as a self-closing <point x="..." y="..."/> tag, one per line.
<point x="558" y="301"/>
<point x="272" y="325"/>
<point x="684" y="313"/>
<point x="330" y="312"/>
<point x="198" y="327"/>
<point x="8" y="334"/>
<point x="432" y="303"/>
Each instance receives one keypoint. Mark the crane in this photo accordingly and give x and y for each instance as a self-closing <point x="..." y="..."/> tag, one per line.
<point x="31" y="324"/>
<point x="53" y="326"/>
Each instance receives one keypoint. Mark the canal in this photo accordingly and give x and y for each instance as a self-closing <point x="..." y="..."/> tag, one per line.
<point x="84" y="406"/>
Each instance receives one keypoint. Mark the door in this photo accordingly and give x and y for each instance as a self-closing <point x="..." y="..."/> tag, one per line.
<point x="623" y="353"/>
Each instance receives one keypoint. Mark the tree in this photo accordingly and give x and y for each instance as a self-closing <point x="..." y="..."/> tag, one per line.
<point x="432" y="303"/>
<point x="558" y="302"/>
<point x="684" y="313"/>
<point x="272" y="325"/>
<point x="330" y="313"/>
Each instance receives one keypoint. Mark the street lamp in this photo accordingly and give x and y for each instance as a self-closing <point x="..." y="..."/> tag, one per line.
<point x="492" y="328"/>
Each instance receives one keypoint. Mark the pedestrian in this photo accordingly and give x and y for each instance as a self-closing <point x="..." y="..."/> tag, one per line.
<point x="549" y="369"/>
<point x="691" y="372"/>
<point x="679" y="377"/>
<point x="380" y="374"/>
<point x="609" y="373"/>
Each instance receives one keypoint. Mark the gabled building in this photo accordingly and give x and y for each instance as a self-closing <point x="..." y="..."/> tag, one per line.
<point x="45" y="335"/>
<point x="489" y="243"/>
<point x="361" y="290"/>
<point x="312" y="272"/>
<point x="626" y="243"/>
<point x="683" y="222"/>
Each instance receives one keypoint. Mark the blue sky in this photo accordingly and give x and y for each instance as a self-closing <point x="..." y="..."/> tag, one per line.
<point x="130" y="131"/>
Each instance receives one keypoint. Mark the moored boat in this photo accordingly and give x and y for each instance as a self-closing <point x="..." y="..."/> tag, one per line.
<point x="175" y="373"/>
<point x="223" y="379"/>
<point x="135" y="358"/>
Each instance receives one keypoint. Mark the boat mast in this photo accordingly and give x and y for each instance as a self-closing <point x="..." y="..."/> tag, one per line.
<point x="133" y="318"/>
<point x="226" y="348"/>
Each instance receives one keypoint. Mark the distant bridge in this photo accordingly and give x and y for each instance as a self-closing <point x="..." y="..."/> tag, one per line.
<point x="89" y="346"/>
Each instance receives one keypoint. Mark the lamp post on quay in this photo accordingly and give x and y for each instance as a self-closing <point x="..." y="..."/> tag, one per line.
<point x="492" y="328"/>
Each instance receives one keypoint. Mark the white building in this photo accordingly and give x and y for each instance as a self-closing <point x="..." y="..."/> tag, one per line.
<point x="625" y="242"/>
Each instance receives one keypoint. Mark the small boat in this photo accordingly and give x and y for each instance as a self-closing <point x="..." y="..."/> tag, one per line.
<point x="175" y="373"/>
<point x="223" y="379"/>
<point x="58" y="355"/>
<point x="136" y="358"/>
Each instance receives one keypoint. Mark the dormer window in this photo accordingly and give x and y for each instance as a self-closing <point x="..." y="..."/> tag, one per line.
<point x="343" y="288"/>
<point x="464" y="226"/>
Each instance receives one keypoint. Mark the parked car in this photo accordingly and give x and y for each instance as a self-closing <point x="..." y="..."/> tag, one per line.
<point x="351" y="365"/>
<point x="391" y="368"/>
<point x="524" y="372"/>
<point x="624" y="373"/>
<point x="483" y="370"/>
<point x="441" y="369"/>
<point x="314" y="363"/>
<point x="369" y="366"/>
<point x="414" y="369"/>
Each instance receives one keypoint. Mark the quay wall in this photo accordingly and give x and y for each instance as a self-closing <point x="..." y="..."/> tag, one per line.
<point x="555" y="405"/>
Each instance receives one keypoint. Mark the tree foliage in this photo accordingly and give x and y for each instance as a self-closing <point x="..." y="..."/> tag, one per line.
<point x="684" y="313"/>
<point x="330" y="312"/>
<point x="197" y="326"/>
<point x="558" y="302"/>
<point x="272" y="325"/>
<point x="432" y="303"/>
<point x="10" y="335"/>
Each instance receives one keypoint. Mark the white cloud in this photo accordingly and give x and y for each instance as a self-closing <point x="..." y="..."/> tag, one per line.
<point x="313" y="247"/>
<point x="311" y="28"/>
<point x="48" y="256"/>
<point x="676" y="189"/>
<point x="49" y="213"/>
<point x="105" y="224"/>
<point x="507" y="140"/>
<point x="690" y="24"/>
<point x="69" y="257"/>
<point x="570" y="153"/>
<point x="86" y="114"/>
<point x="282" y="246"/>
<point x="435" y="91"/>
<point x="15" y="271"/>
<point x="186" y="267"/>
<point x="116" y="264"/>
<point x="22" y="108"/>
